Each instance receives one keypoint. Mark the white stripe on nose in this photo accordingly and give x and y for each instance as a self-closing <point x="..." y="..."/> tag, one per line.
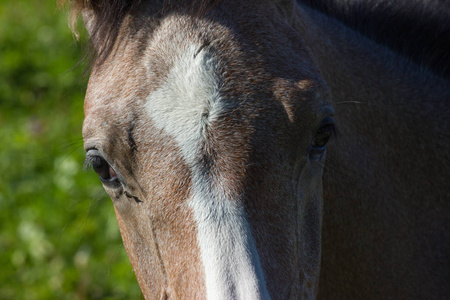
<point x="228" y="252"/>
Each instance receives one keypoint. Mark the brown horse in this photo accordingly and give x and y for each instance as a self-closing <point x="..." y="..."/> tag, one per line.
<point x="208" y="124"/>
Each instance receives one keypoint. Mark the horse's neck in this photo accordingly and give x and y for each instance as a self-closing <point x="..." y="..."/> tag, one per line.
<point x="385" y="180"/>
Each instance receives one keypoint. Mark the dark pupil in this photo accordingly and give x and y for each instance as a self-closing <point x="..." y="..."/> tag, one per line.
<point x="101" y="167"/>
<point x="322" y="136"/>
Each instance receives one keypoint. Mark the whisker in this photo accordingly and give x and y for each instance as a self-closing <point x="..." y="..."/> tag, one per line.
<point x="92" y="205"/>
<point x="70" y="143"/>
<point x="113" y="257"/>
<point x="66" y="156"/>
<point x="62" y="148"/>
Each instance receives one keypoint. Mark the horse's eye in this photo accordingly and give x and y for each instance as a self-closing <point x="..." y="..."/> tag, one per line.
<point x="321" y="139"/>
<point x="323" y="135"/>
<point x="101" y="167"/>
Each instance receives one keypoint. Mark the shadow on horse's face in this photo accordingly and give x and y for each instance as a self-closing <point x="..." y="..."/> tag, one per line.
<point x="209" y="132"/>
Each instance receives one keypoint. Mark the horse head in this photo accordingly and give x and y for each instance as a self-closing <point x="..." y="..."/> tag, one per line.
<point x="207" y="122"/>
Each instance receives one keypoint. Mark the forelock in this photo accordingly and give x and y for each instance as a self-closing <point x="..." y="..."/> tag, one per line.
<point x="110" y="15"/>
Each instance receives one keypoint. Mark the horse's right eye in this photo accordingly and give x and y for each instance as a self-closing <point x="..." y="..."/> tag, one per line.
<point x="321" y="138"/>
<point x="324" y="133"/>
<point x="101" y="167"/>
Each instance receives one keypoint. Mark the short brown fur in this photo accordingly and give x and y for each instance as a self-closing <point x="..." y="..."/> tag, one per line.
<point x="385" y="231"/>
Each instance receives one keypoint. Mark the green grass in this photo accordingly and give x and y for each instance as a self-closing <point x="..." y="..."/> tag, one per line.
<point x="58" y="234"/>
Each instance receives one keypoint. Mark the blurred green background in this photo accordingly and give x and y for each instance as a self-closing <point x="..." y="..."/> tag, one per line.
<point x="58" y="234"/>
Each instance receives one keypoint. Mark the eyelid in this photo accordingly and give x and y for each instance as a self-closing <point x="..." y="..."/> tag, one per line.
<point x="92" y="152"/>
<point x="327" y="121"/>
<point x="90" y="156"/>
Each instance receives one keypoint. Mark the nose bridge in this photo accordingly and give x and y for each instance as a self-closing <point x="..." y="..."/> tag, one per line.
<point x="227" y="247"/>
<point x="187" y="106"/>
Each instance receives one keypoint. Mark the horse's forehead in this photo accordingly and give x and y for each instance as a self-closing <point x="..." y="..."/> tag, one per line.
<point x="181" y="53"/>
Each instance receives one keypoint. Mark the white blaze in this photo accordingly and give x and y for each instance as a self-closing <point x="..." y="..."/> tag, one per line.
<point x="228" y="252"/>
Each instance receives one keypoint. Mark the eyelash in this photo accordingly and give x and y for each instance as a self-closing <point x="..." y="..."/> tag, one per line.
<point x="94" y="160"/>
<point x="88" y="163"/>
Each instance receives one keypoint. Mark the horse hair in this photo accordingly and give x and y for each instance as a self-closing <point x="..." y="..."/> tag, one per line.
<point x="111" y="13"/>
<point x="416" y="29"/>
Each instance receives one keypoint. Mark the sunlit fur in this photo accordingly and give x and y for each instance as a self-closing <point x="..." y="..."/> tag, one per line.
<point x="207" y="112"/>
<point x="184" y="107"/>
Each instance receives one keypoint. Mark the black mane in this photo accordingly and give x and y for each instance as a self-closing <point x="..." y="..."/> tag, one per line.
<point x="417" y="29"/>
